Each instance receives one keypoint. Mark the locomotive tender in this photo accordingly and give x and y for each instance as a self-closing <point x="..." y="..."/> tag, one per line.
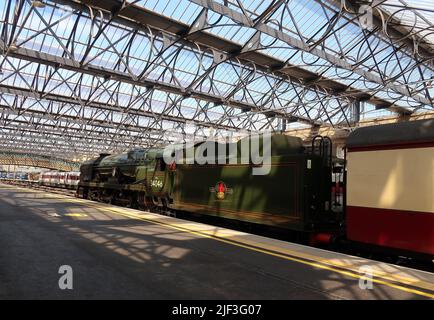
<point x="386" y="165"/>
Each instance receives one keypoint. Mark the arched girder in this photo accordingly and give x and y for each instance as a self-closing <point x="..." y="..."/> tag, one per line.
<point x="37" y="160"/>
<point x="110" y="74"/>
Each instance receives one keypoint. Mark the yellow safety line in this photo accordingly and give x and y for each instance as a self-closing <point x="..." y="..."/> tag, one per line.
<point x="75" y="215"/>
<point x="313" y="264"/>
<point x="307" y="256"/>
<point x="247" y="246"/>
<point x="397" y="278"/>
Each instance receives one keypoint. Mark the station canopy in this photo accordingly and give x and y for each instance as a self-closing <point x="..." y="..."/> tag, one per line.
<point x="81" y="77"/>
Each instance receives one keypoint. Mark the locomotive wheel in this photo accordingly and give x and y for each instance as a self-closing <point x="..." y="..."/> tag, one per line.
<point x="141" y="201"/>
<point x="113" y="197"/>
<point x="133" y="203"/>
<point x="149" y="204"/>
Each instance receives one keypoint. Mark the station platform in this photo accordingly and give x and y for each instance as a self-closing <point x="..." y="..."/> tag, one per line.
<point x="121" y="253"/>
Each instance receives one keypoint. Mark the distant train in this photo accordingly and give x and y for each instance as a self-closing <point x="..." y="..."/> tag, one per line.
<point x="68" y="180"/>
<point x="386" y="200"/>
<point x="14" y="175"/>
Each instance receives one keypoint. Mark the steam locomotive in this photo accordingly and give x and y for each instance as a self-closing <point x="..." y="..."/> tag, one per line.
<point x="387" y="200"/>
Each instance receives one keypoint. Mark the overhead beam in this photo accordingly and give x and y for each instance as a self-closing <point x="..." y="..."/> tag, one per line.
<point x="79" y="120"/>
<point x="136" y="16"/>
<point x="397" y="30"/>
<point x="316" y="51"/>
<point x="70" y="137"/>
<point x="109" y="107"/>
<point x="37" y="160"/>
<point x="58" y="149"/>
<point x="82" y="133"/>
<point x="69" y="64"/>
<point x="46" y="150"/>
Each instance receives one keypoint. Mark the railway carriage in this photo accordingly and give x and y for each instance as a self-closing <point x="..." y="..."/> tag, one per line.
<point x="390" y="186"/>
<point x="61" y="178"/>
<point x="67" y="180"/>
<point x="47" y="178"/>
<point x="72" y="179"/>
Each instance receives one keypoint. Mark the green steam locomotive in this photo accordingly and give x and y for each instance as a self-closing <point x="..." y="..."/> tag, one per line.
<point x="295" y="193"/>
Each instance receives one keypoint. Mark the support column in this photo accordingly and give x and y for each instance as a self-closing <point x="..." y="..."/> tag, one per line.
<point x="283" y="125"/>
<point x="355" y="112"/>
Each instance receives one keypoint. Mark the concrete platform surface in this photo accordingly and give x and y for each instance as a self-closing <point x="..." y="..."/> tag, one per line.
<point x="120" y="253"/>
